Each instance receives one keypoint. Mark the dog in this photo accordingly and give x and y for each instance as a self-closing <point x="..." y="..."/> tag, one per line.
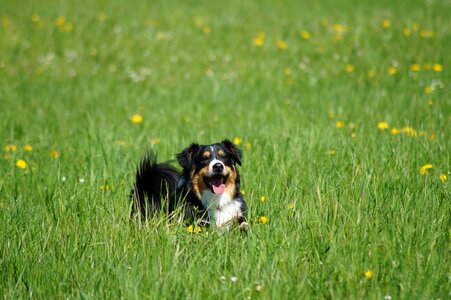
<point x="207" y="189"/>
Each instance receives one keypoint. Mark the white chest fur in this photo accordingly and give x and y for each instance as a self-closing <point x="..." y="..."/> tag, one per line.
<point x="221" y="208"/>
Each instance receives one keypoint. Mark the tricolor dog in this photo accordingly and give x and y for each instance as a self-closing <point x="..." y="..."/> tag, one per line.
<point x="207" y="189"/>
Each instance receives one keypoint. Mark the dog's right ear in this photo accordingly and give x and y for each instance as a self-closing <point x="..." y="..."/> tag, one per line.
<point x="185" y="158"/>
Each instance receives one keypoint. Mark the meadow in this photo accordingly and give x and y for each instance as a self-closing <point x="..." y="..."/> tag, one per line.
<point x="342" y="110"/>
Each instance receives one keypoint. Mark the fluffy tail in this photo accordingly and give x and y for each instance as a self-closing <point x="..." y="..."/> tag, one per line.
<point x="154" y="182"/>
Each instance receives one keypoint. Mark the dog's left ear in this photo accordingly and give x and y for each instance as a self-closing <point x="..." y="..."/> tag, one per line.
<point x="185" y="158"/>
<point x="233" y="150"/>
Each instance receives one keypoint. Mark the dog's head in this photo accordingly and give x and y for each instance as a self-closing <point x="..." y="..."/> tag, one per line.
<point x="211" y="167"/>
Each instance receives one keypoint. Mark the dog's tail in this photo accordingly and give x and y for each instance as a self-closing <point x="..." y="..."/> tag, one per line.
<point x="154" y="183"/>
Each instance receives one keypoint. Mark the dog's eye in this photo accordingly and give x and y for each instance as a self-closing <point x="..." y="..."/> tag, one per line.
<point x="221" y="153"/>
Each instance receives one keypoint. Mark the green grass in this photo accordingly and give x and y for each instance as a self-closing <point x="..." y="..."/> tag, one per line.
<point x="365" y="208"/>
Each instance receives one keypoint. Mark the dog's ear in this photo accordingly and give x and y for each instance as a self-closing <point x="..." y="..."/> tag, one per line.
<point x="185" y="158"/>
<point x="233" y="150"/>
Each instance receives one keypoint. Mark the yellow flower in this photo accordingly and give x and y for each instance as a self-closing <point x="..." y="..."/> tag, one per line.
<point x="243" y="191"/>
<point x="137" y="118"/>
<point x="120" y="142"/>
<point x="339" y="28"/>
<point x="35" y="18"/>
<point x="27" y="148"/>
<point x="236" y="140"/>
<point x="430" y="102"/>
<point x="258" y="41"/>
<point x="332" y="152"/>
<point x="263" y="220"/>
<point x="264" y="198"/>
<point x="386" y="23"/>
<point x="248" y="146"/>
<point x="305" y="35"/>
<point x="21" y="164"/>
<point x="371" y="74"/>
<point x="59" y="22"/>
<point x="409" y="131"/>
<point x="425" y="169"/>
<point x="349" y="68"/>
<point x="339" y="124"/>
<point x="368" y="275"/>
<point x="426" y="34"/>
<point x="406" y="31"/>
<point x="10" y="148"/>
<point x="54" y="154"/>
<point x="437" y="67"/>
<point x="105" y="187"/>
<point x="443" y="177"/>
<point x="288" y="71"/>
<point x="281" y="44"/>
<point x="192" y="229"/>
<point x="415" y="67"/>
<point x="331" y="115"/>
<point x="392" y="71"/>
<point x="155" y="141"/>
<point x="206" y="29"/>
<point x="415" y="26"/>
<point x="291" y="205"/>
<point x="353" y="135"/>
<point x="428" y="89"/>
<point x="395" y="131"/>
<point x="382" y="125"/>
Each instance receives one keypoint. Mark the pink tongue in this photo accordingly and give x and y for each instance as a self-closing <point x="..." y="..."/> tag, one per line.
<point x="218" y="189"/>
<point x="217" y="185"/>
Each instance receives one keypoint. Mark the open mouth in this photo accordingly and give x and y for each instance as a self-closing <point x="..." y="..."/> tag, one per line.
<point x="216" y="183"/>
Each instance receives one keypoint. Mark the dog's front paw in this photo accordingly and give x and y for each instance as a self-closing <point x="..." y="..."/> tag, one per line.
<point x="244" y="226"/>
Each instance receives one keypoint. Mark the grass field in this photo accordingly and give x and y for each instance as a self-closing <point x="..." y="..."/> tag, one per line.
<point x="342" y="110"/>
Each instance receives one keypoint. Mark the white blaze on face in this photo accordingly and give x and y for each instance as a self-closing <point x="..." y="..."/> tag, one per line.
<point x="214" y="162"/>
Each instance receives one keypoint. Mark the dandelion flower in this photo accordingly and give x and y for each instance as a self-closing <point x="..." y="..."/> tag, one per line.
<point x="21" y="164"/>
<point x="291" y="205"/>
<point x="258" y="41"/>
<point x="339" y="124"/>
<point x="288" y="71"/>
<point x="437" y="68"/>
<point x="415" y="27"/>
<point x="395" y="131"/>
<point x="262" y="220"/>
<point x="368" y="275"/>
<point x="248" y="146"/>
<point x="27" y="148"/>
<point x="428" y="89"/>
<point x="281" y="44"/>
<point x="242" y="191"/>
<point x="193" y="229"/>
<point x="353" y="135"/>
<point x="430" y="102"/>
<point x="10" y="148"/>
<point x="382" y="125"/>
<point x="371" y="74"/>
<point x="332" y="152"/>
<point x="120" y="142"/>
<point x="386" y="23"/>
<point x="305" y="35"/>
<point x="54" y="154"/>
<point x="59" y="22"/>
<point x="264" y="198"/>
<point x="339" y="28"/>
<point x="236" y="140"/>
<point x="427" y="34"/>
<point x="137" y="118"/>
<point x="425" y="169"/>
<point x="415" y="67"/>
<point x="392" y="71"/>
<point x="155" y="141"/>
<point x="349" y="68"/>
<point x="206" y="29"/>
<point x="35" y="18"/>
<point x="443" y="177"/>
<point x="406" y="32"/>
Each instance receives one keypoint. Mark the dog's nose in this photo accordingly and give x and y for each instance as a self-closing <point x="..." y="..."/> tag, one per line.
<point x="218" y="168"/>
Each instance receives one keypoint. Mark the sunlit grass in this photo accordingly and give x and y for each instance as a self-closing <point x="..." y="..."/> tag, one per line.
<point x="342" y="112"/>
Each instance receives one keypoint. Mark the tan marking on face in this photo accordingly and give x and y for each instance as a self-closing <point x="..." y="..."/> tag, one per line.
<point x="197" y="181"/>
<point x="220" y="152"/>
<point x="206" y="154"/>
<point x="230" y="183"/>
